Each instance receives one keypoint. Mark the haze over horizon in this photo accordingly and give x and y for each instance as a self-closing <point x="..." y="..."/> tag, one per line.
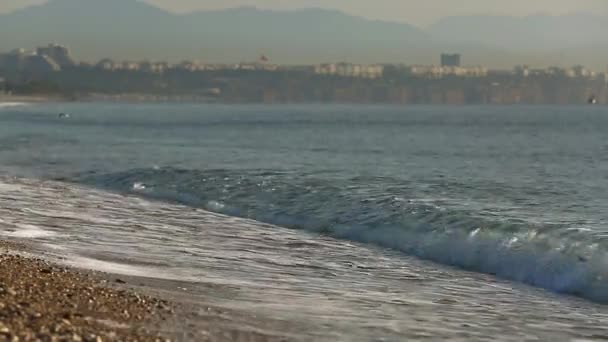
<point x="415" y="12"/>
<point x="137" y="30"/>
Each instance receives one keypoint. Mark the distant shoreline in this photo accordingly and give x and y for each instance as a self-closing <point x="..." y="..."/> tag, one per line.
<point x="128" y="98"/>
<point x="29" y="99"/>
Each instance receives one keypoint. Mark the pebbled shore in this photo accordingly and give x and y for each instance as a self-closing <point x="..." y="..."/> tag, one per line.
<point x="42" y="302"/>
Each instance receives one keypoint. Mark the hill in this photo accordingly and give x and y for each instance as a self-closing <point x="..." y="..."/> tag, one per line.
<point x="131" y="29"/>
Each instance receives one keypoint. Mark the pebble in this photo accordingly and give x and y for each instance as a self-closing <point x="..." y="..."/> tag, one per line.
<point x="4" y="329"/>
<point x="42" y="302"/>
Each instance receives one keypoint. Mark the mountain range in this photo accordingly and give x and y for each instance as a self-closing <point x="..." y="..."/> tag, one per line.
<point x="130" y="29"/>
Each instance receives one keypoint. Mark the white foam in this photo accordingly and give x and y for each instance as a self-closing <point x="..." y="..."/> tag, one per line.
<point x="117" y="268"/>
<point x="54" y="247"/>
<point x="106" y="266"/>
<point x="70" y="215"/>
<point x="28" y="231"/>
<point x="9" y="187"/>
<point x="139" y="186"/>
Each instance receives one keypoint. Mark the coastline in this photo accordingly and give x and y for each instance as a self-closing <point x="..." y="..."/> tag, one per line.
<point x="44" y="300"/>
<point x="40" y="300"/>
<point x="28" y="99"/>
<point x="418" y="301"/>
<point x="137" y="98"/>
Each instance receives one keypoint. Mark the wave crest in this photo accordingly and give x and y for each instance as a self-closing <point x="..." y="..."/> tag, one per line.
<point x="553" y="257"/>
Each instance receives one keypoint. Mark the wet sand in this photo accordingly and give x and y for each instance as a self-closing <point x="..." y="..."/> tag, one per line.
<point x="43" y="302"/>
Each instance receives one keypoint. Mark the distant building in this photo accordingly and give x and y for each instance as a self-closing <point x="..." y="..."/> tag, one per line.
<point x="191" y="66"/>
<point x="130" y="66"/>
<point x="40" y="64"/>
<point x="450" y="60"/>
<point x="326" y="69"/>
<point x="256" y="66"/>
<point x="153" y="67"/>
<point x="110" y="65"/>
<point x="23" y="60"/>
<point x="350" y="70"/>
<point x="107" y="65"/>
<point x="14" y="60"/>
<point x="161" y="66"/>
<point x="433" y="71"/>
<point x="522" y="71"/>
<point x="58" y="53"/>
<point x="373" y="71"/>
<point x="581" y="71"/>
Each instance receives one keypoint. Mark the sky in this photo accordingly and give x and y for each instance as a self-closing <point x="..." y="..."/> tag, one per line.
<point x="418" y="12"/>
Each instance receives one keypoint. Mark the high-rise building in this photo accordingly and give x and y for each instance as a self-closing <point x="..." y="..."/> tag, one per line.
<point x="450" y="60"/>
<point x="59" y="54"/>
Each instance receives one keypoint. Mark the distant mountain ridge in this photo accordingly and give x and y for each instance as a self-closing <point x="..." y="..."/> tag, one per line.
<point x="130" y="29"/>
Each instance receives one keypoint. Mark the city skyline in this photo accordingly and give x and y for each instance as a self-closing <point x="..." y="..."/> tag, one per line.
<point x="51" y="71"/>
<point x="416" y="12"/>
<point x="142" y="31"/>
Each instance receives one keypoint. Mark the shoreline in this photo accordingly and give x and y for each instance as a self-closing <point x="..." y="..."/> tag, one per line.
<point x="29" y="99"/>
<point x="186" y="99"/>
<point x="40" y="300"/>
<point x="43" y="299"/>
<point x="235" y="310"/>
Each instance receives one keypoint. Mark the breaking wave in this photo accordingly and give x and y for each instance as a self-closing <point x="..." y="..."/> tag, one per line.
<point x="560" y="258"/>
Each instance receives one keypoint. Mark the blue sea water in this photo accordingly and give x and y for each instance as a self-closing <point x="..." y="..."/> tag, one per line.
<point x="519" y="193"/>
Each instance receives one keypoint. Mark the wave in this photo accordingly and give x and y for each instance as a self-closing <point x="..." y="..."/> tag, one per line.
<point x="384" y="212"/>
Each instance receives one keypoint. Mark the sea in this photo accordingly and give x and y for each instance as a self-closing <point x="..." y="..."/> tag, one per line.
<point x="336" y="222"/>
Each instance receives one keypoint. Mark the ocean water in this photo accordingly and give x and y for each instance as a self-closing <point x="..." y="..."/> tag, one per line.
<point x="345" y="223"/>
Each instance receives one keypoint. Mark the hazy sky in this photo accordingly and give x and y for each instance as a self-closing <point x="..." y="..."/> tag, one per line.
<point x="418" y="12"/>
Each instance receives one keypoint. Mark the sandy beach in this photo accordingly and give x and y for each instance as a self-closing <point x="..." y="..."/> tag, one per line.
<point x="40" y="301"/>
<point x="44" y="301"/>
